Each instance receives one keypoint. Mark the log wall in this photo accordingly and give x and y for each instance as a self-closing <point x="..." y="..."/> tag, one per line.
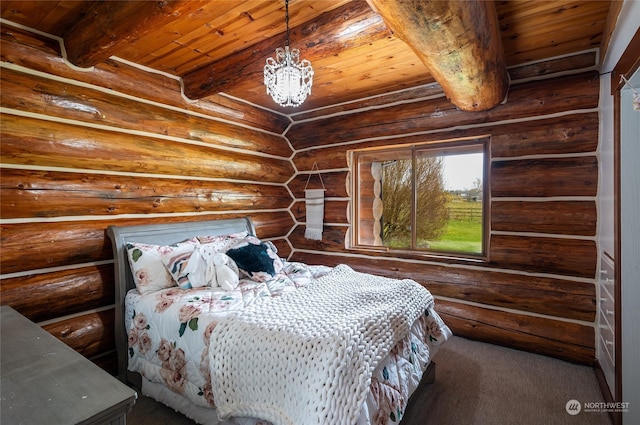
<point x="116" y="145"/>
<point x="84" y="149"/>
<point x="536" y="291"/>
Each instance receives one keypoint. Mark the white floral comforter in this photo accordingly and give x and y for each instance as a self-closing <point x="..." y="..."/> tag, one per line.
<point x="169" y="333"/>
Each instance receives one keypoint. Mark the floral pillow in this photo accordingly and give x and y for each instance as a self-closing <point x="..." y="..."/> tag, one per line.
<point x="256" y="259"/>
<point x="149" y="273"/>
<point x="223" y="242"/>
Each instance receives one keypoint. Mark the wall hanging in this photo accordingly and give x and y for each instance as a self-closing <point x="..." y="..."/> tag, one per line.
<point x="314" y="202"/>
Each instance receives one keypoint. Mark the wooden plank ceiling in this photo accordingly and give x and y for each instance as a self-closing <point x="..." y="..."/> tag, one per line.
<point x="358" y="48"/>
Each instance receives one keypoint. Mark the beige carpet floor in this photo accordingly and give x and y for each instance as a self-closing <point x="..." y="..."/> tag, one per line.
<point x="476" y="384"/>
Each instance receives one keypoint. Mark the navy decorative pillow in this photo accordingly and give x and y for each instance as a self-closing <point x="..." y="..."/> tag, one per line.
<point x="256" y="259"/>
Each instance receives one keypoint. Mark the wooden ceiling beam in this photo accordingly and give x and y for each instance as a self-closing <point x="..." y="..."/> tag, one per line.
<point x="108" y="26"/>
<point x="458" y="41"/>
<point x="346" y="27"/>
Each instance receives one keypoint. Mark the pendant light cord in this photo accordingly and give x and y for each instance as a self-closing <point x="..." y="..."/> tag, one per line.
<point x="286" y="19"/>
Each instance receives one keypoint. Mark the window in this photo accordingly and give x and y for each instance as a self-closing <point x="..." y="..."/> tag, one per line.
<point x="428" y="198"/>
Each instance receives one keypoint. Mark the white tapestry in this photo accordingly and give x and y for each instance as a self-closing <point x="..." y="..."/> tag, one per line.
<point x="314" y="200"/>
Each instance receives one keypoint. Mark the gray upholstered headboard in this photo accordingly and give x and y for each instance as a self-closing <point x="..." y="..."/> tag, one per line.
<point x="156" y="234"/>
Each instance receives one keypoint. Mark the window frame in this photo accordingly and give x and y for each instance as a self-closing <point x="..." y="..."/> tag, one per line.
<point x="484" y="143"/>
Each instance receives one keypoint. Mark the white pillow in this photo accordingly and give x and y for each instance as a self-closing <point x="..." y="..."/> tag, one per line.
<point x="200" y="267"/>
<point x="206" y="267"/>
<point x="226" y="272"/>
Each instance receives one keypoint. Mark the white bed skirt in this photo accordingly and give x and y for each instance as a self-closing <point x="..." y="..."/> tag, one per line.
<point x="204" y="415"/>
<point x="199" y="414"/>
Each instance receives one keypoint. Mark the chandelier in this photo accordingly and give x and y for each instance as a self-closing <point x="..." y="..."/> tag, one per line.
<point x="288" y="79"/>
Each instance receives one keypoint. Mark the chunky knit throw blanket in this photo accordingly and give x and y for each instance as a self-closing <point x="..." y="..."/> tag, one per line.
<point x="307" y="357"/>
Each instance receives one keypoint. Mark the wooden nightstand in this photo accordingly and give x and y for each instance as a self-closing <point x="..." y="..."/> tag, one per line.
<point x="46" y="382"/>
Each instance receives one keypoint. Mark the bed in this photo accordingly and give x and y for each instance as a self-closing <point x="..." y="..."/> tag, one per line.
<point x="244" y="337"/>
